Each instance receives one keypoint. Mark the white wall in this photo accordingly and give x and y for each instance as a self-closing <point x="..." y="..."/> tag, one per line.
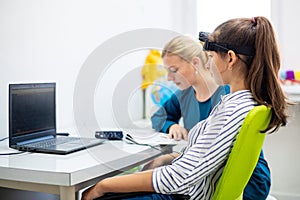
<point x="211" y="13"/>
<point x="284" y="16"/>
<point x="50" y="40"/>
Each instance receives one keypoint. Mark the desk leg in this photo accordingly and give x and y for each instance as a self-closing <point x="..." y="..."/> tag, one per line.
<point x="67" y="193"/>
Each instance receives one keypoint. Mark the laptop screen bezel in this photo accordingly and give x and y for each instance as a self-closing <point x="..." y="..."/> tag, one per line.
<point x="13" y="140"/>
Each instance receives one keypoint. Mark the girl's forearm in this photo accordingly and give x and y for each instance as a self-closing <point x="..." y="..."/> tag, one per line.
<point x="141" y="181"/>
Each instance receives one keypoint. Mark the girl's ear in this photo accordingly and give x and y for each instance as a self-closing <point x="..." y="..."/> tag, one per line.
<point x="232" y="58"/>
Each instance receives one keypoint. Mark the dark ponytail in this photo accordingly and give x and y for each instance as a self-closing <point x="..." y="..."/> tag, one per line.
<point x="262" y="69"/>
<point x="263" y="77"/>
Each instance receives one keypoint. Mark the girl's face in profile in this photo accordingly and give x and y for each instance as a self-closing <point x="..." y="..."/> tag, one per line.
<point x="217" y="67"/>
<point x="179" y="71"/>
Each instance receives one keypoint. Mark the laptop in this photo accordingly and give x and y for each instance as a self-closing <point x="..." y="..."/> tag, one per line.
<point x="32" y="121"/>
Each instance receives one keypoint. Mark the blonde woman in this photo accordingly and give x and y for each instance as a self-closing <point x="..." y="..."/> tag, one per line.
<point x="198" y="92"/>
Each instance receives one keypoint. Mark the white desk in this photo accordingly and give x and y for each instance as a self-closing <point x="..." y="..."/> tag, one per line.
<point x="67" y="174"/>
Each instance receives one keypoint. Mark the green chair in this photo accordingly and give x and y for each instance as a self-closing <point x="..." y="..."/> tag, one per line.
<point x="241" y="162"/>
<point x="244" y="155"/>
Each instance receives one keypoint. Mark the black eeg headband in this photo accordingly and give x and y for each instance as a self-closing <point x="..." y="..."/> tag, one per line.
<point x="214" y="46"/>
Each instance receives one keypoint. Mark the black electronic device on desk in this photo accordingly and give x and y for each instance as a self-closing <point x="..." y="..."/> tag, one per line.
<point x="109" y="135"/>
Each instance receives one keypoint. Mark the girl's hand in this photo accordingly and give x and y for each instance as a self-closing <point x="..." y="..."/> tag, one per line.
<point x="160" y="161"/>
<point x="91" y="193"/>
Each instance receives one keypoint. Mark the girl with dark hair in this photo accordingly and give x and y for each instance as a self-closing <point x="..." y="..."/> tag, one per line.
<point x="243" y="53"/>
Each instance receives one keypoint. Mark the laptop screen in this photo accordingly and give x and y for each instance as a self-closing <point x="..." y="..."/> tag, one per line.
<point x="31" y="111"/>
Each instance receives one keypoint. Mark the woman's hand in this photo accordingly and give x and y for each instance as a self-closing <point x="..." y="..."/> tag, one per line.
<point x="178" y="132"/>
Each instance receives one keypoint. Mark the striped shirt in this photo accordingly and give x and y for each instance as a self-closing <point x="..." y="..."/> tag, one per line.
<point x="198" y="169"/>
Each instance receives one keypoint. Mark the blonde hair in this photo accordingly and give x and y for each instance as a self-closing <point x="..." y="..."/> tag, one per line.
<point x="186" y="47"/>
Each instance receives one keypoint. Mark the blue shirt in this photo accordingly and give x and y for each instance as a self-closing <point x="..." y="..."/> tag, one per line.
<point x="183" y="103"/>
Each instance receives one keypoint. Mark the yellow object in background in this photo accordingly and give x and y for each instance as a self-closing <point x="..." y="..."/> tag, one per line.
<point x="152" y="69"/>
<point x="297" y="75"/>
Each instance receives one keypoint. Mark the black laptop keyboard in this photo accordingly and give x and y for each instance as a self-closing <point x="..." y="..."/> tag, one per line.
<point x="52" y="142"/>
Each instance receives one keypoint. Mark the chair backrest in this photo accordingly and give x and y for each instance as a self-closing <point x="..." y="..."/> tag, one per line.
<point x="244" y="155"/>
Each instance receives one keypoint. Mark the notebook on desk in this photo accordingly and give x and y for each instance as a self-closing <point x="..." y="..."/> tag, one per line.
<point x="32" y="121"/>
